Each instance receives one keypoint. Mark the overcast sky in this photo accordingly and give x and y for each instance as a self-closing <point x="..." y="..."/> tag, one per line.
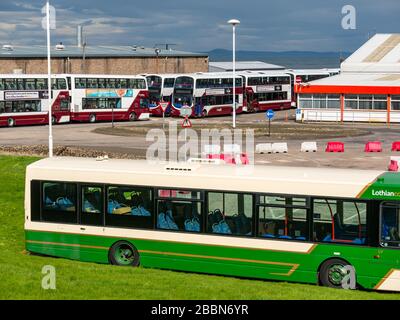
<point x="200" y="25"/>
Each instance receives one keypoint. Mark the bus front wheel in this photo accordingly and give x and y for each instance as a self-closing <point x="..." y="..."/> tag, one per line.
<point x="334" y="273"/>
<point x="53" y="120"/>
<point x="92" y="118"/>
<point x="10" y="122"/>
<point x="123" y="253"/>
<point x="132" y="117"/>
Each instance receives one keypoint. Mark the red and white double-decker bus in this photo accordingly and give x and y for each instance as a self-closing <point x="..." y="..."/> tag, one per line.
<point x="108" y="97"/>
<point x="208" y="94"/>
<point x="265" y="90"/>
<point x="24" y="99"/>
<point x="161" y="87"/>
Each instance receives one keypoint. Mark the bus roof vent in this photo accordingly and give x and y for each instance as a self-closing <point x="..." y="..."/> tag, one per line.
<point x="8" y="47"/>
<point x="178" y="168"/>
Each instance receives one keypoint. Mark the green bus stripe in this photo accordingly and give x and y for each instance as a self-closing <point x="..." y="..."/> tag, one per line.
<point x="293" y="265"/>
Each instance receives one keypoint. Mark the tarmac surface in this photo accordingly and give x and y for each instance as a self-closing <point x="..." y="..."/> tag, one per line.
<point x="81" y="135"/>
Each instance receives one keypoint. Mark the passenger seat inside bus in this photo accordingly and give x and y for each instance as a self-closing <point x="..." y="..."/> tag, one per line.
<point x="217" y="223"/>
<point x="165" y="219"/>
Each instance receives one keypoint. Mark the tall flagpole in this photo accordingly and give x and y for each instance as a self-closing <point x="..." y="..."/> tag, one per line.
<point x="49" y="82"/>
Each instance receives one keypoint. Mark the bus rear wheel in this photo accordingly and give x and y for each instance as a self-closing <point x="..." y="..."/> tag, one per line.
<point x="10" y="122"/>
<point x="92" y="118"/>
<point x="333" y="272"/>
<point x="123" y="253"/>
<point x="132" y="116"/>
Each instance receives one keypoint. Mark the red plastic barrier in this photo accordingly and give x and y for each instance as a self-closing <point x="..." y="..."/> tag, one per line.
<point x="334" y="146"/>
<point x="213" y="156"/>
<point x="396" y="146"/>
<point x="393" y="166"/>
<point x="373" y="146"/>
<point x="244" y="158"/>
<point x="230" y="158"/>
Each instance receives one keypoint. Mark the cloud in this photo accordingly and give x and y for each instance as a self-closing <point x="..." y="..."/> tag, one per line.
<point x="201" y="25"/>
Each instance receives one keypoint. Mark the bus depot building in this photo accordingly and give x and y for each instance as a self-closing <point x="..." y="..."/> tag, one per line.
<point x="366" y="90"/>
<point x="118" y="60"/>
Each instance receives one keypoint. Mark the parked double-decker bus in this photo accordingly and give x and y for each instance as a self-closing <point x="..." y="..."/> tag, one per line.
<point x="265" y="90"/>
<point x="108" y="97"/>
<point x="208" y="94"/>
<point x="298" y="76"/>
<point x="335" y="227"/>
<point x="24" y="99"/>
<point x="161" y="87"/>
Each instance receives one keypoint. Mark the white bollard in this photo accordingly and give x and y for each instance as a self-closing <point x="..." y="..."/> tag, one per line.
<point x="264" y="148"/>
<point x="309" y="146"/>
<point x="280" y="147"/>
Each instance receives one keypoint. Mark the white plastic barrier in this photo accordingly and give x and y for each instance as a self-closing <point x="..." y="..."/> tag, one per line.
<point x="309" y="146"/>
<point x="212" y="149"/>
<point x="264" y="148"/>
<point x="280" y="147"/>
<point x="231" y="148"/>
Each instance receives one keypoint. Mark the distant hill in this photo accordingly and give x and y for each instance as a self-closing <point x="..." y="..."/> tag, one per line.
<point x="289" y="59"/>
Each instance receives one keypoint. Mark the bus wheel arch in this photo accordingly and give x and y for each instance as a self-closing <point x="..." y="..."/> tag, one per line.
<point x="123" y="253"/>
<point x="11" y="122"/>
<point x="92" y="118"/>
<point x="330" y="272"/>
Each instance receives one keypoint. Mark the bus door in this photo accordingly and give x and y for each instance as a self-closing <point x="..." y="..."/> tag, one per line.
<point x="386" y="254"/>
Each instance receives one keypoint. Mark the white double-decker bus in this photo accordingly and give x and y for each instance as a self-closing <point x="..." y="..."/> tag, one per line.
<point x="24" y="99"/>
<point x="265" y="90"/>
<point x="208" y="94"/>
<point x="108" y="97"/>
<point x="161" y="87"/>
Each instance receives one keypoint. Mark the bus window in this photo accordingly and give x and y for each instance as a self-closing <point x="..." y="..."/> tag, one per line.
<point x="390" y="225"/>
<point x="282" y="223"/>
<point x="92" y="211"/>
<point x="92" y="83"/>
<point x="339" y="221"/>
<point x="2" y="107"/>
<point x="179" y="215"/>
<point x="282" y="217"/>
<point x="59" y="202"/>
<point x="80" y="83"/>
<point x="30" y="84"/>
<point x="129" y="207"/>
<point x="230" y="213"/>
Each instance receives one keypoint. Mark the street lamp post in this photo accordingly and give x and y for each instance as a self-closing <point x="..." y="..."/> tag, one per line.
<point x="157" y="51"/>
<point x="234" y="22"/>
<point x="49" y="80"/>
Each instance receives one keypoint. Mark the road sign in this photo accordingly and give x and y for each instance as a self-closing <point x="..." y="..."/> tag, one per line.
<point x="186" y="111"/>
<point x="186" y="123"/>
<point x="269" y="114"/>
<point x="164" y="106"/>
